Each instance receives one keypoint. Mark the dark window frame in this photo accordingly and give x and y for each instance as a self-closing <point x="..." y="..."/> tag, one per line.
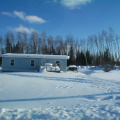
<point x="32" y="63"/>
<point x="12" y="62"/>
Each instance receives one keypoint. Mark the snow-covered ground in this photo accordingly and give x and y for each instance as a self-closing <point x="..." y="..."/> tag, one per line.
<point x="90" y="94"/>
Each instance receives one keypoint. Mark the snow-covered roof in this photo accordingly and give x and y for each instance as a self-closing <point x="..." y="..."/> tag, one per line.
<point x="34" y="56"/>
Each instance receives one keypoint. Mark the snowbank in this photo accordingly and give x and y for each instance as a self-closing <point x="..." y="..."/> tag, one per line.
<point x="78" y="112"/>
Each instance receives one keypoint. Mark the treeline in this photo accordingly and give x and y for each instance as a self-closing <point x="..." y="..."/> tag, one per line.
<point x="102" y="48"/>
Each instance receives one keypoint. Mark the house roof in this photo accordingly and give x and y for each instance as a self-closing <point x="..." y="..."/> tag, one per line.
<point x="14" y="55"/>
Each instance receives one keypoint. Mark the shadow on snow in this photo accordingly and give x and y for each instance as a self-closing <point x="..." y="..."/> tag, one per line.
<point x="90" y="97"/>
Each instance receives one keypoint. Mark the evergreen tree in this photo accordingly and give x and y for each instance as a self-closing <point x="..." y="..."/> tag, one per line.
<point x="97" y="61"/>
<point x="59" y="53"/>
<point x="18" y="48"/>
<point x="14" y="49"/>
<point x="0" y="61"/>
<point x="34" y="48"/>
<point x="78" y="58"/>
<point x="8" y="46"/>
<point x="71" y="61"/>
<point x="88" y="58"/>
<point x="82" y="58"/>
<point x="106" y="59"/>
<point x="52" y="50"/>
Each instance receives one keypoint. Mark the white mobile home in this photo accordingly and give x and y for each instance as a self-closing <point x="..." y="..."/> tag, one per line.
<point x="31" y="62"/>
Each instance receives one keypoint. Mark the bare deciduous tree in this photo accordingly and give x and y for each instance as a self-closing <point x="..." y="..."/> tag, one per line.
<point x="44" y="46"/>
<point x="25" y="42"/>
<point x="34" y="42"/>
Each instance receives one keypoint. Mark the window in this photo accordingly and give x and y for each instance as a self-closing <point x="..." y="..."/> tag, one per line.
<point x="58" y="63"/>
<point x="12" y="62"/>
<point x="32" y="62"/>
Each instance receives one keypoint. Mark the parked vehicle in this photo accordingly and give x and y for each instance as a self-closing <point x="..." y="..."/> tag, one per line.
<point x="72" y="68"/>
<point x="107" y="67"/>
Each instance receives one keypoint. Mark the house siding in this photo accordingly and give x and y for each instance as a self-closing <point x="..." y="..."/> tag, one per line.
<point x="24" y="64"/>
<point x="20" y="64"/>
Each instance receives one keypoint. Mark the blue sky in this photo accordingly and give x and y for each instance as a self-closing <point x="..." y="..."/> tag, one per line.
<point x="80" y="18"/>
